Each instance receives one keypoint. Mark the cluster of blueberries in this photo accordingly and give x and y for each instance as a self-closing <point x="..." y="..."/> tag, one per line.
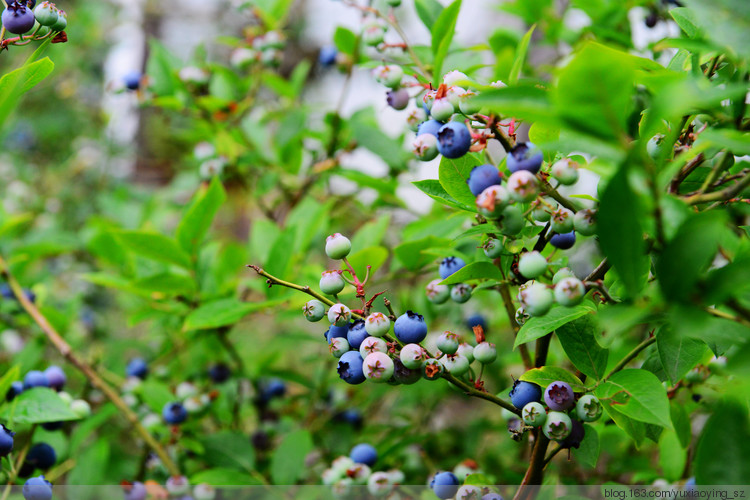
<point x="177" y="487"/>
<point x="53" y="377"/>
<point x="365" y="350"/>
<point x="562" y="419"/>
<point x="356" y="470"/>
<point x="26" y="18"/>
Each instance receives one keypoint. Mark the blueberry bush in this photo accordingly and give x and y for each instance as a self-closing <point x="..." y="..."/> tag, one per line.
<point x="539" y="276"/>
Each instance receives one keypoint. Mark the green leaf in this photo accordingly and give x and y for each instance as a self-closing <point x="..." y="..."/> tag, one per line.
<point x="37" y="406"/>
<point x="678" y="354"/>
<point x="729" y="281"/>
<point x="672" y="456"/>
<point x="685" y="19"/>
<point x="288" y="461"/>
<point x="11" y="375"/>
<point x="475" y="271"/>
<point x="724" y="445"/>
<point x="442" y="36"/>
<point x="588" y="452"/>
<point x="371" y="233"/>
<point x="166" y="283"/>
<point x="546" y="375"/>
<point x="222" y="312"/>
<point x="689" y="254"/>
<point x="154" y="246"/>
<point x="537" y="327"/>
<point x="578" y="339"/>
<point x="453" y="174"/>
<point x="620" y="232"/>
<point x="345" y="40"/>
<point x="229" y="450"/>
<point x="412" y="253"/>
<point x="681" y="423"/>
<point x="17" y="82"/>
<point x="435" y="190"/>
<point x="428" y="12"/>
<point x="194" y="225"/>
<point x="220" y="476"/>
<point x="523" y="101"/>
<point x="521" y="52"/>
<point x="634" y="428"/>
<point x="726" y="22"/>
<point x="637" y="394"/>
<point x="155" y="395"/>
<point x="91" y="467"/>
<point x="280" y="258"/>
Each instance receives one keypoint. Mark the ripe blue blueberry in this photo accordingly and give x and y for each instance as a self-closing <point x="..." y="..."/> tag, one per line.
<point x="219" y="372"/>
<point x="378" y="367"/>
<point x="336" y="331"/>
<point x="314" y="310"/>
<point x="413" y="356"/>
<point x="565" y="171"/>
<point x="397" y="99"/>
<point x="523" y="186"/>
<point x="444" y="485"/>
<point x="272" y="388"/>
<point x="331" y="282"/>
<point x="492" y="496"/>
<point x="350" y="368"/>
<point x="534" y="414"/>
<point x="410" y="328"/>
<point x="364" y="454"/>
<point x="37" y="488"/>
<point x="482" y="177"/>
<point x="461" y="293"/>
<point x="6" y="440"/>
<point x="524" y="393"/>
<point x="357" y="333"/>
<point x="448" y="342"/>
<point x="56" y="377"/>
<point x="437" y="293"/>
<point x="431" y="127"/>
<point x="137" y="367"/>
<point x="15" y="389"/>
<point x="174" y="413"/>
<point x="559" y="396"/>
<point x="338" y="246"/>
<point x="532" y="264"/>
<point x="132" y="80"/>
<point x="485" y="353"/>
<point x="135" y="491"/>
<point x="569" y="292"/>
<point x="476" y="319"/>
<point x="588" y="408"/>
<point x="535" y="298"/>
<point x="563" y="241"/>
<point x="377" y="324"/>
<point x="454" y="140"/>
<point x="525" y="156"/>
<point x="18" y="18"/>
<point x="558" y="426"/>
<point x="450" y="265"/>
<point x="41" y="456"/>
<point x="577" y="433"/>
<point x="424" y="147"/>
<point x="562" y="220"/>
<point x="35" y="378"/>
<point x="492" y="200"/>
<point x="327" y="55"/>
<point x="584" y="222"/>
<point x="339" y="315"/>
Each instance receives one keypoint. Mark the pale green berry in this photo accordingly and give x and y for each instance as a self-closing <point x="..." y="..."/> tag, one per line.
<point x="493" y="248"/>
<point x="338" y="246"/>
<point x="424" y="147"/>
<point x="466" y="350"/>
<point x="331" y="282"/>
<point x="437" y="293"/>
<point x="413" y="356"/>
<point x="588" y="408"/>
<point x="461" y="293"/>
<point x="338" y="346"/>
<point x="565" y="171"/>
<point x="523" y="186"/>
<point x="569" y="292"/>
<point x="442" y="109"/>
<point x="584" y="222"/>
<point x="448" y="342"/>
<point x="371" y="345"/>
<point x="455" y="364"/>
<point x="563" y="272"/>
<point x="339" y="315"/>
<point x="512" y="221"/>
<point x="558" y="426"/>
<point x="492" y="201"/>
<point x="532" y="264"/>
<point x="314" y="310"/>
<point x="378" y="367"/>
<point x="377" y="324"/>
<point x="534" y="414"/>
<point x="485" y="353"/>
<point x="562" y="220"/>
<point x="81" y="408"/>
<point x="535" y="298"/>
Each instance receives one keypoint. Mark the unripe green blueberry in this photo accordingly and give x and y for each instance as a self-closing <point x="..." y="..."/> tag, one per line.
<point x="389" y="75"/>
<point x="67" y="398"/>
<point x="558" y="426"/>
<point x="416" y="117"/>
<point x="373" y="34"/>
<point x="338" y="346"/>
<point x="432" y="369"/>
<point x="437" y="293"/>
<point x="565" y="171"/>
<point x="454" y="95"/>
<point x="62" y="21"/>
<point x="332" y="282"/>
<point x="656" y="145"/>
<point x="339" y="315"/>
<point x="562" y="220"/>
<point x="534" y="414"/>
<point x="377" y="324"/>
<point x="81" y="408"/>
<point x="584" y="222"/>
<point x="314" y="310"/>
<point x="718" y="364"/>
<point x="523" y="186"/>
<point x="521" y="316"/>
<point x="413" y="356"/>
<point x="442" y="109"/>
<point x="424" y="147"/>
<point x="185" y="390"/>
<point x="467" y="104"/>
<point x="466" y="350"/>
<point x="540" y="211"/>
<point x="455" y="364"/>
<point x="697" y="375"/>
<point x="428" y="98"/>
<point x="448" y="342"/>
<point x="563" y="272"/>
<point x="46" y="14"/>
<point x="371" y="345"/>
<point x="535" y="298"/>
<point x="513" y="220"/>
<point x="485" y="353"/>
<point x="493" y="248"/>
<point x="455" y="77"/>
<point x="588" y="408"/>
<point x="204" y="491"/>
<point x="492" y="201"/>
<point x="461" y="293"/>
<point x="569" y="292"/>
<point x="338" y="246"/>
<point x="378" y="367"/>
<point x="532" y="264"/>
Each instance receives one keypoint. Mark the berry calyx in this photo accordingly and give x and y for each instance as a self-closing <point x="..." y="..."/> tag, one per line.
<point x="339" y="315"/>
